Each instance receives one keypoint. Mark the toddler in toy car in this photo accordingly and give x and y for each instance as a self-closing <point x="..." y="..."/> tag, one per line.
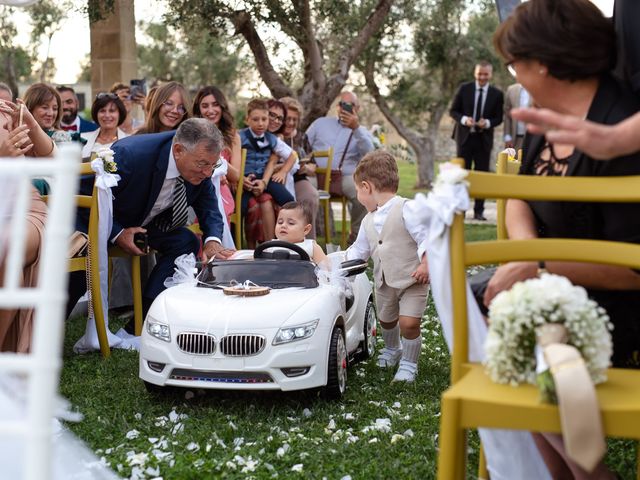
<point x="294" y="224"/>
<point x="400" y="271"/>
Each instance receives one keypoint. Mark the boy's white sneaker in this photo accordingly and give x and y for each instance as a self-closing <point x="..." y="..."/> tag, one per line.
<point x="407" y="372"/>
<point x="389" y="357"/>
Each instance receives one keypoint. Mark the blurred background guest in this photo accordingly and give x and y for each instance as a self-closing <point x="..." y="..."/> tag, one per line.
<point x="5" y="92"/>
<point x="70" y="120"/>
<point x="123" y="91"/>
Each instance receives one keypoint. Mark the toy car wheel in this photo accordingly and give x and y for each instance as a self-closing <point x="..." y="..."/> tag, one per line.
<point x="337" y="368"/>
<point x="368" y="344"/>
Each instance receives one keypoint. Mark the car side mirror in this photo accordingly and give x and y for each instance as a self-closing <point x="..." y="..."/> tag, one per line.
<point x="353" y="267"/>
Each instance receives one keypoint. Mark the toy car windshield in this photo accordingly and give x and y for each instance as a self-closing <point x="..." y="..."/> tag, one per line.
<point x="263" y="272"/>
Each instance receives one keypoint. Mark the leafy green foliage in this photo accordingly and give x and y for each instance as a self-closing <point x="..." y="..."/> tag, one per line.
<point x="193" y="58"/>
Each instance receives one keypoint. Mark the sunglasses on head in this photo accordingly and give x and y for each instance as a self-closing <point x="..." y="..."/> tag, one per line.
<point x="107" y="95"/>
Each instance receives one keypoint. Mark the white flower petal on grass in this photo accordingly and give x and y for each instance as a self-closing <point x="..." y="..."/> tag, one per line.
<point x="332" y="424"/>
<point x="152" y="472"/>
<point x="397" y="405"/>
<point x="282" y="450"/>
<point x="138" y="416"/>
<point x="162" y="456"/>
<point x="177" y="428"/>
<point x="250" y="465"/>
<point x="297" y="467"/>
<point x="373" y="440"/>
<point x="232" y="425"/>
<point x="193" y="447"/>
<point x="207" y="449"/>
<point x="161" y="421"/>
<point x="346" y="477"/>
<point x="348" y="416"/>
<point x="137" y="458"/>
<point x="231" y="465"/>
<point x="132" y="434"/>
<point x="152" y="439"/>
<point x="173" y="416"/>
<point x="396" y="437"/>
<point x="306" y="413"/>
<point x="198" y="463"/>
<point x="408" y="433"/>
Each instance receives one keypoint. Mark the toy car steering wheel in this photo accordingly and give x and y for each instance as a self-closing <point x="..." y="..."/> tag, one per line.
<point x="260" y="250"/>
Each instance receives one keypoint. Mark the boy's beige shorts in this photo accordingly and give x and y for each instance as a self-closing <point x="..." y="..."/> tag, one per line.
<point x="393" y="302"/>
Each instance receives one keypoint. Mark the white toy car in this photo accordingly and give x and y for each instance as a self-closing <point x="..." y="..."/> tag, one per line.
<point x="301" y="335"/>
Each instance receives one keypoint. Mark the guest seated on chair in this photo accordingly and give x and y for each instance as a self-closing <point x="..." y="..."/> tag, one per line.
<point x="108" y="112"/>
<point x="544" y="42"/>
<point x="263" y="151"/>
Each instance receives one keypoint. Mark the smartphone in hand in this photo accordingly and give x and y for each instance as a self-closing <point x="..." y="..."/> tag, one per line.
<point x="141" y="240"/>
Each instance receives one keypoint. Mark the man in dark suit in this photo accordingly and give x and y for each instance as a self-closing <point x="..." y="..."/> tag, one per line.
<point x="71" y="121"/>
<point x="160" y="176"/>
<point x="477" y="110"/>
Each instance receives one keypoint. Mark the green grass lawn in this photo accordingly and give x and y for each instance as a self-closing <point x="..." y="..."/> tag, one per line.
<point x="379" y="430"/>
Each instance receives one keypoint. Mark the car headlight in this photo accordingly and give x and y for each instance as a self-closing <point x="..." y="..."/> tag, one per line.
<point x="158" y="330"/>
<point x="296" y="332"/>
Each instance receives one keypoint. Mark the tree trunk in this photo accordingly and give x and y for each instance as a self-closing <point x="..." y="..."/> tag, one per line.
<point x="10" y="73"/>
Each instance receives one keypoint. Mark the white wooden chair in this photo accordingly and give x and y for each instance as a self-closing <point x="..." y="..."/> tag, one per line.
<point x="40" y="369"/>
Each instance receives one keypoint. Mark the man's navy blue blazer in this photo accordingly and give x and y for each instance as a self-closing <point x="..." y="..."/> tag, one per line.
<point x="86" y="125"/>
<point x="142" y="165"/>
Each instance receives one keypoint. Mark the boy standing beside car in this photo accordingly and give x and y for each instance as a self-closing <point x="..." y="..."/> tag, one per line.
<point x="401" y="273"/>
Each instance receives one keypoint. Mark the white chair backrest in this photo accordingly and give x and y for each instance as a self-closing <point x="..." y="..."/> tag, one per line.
<point x="41" y="367"/>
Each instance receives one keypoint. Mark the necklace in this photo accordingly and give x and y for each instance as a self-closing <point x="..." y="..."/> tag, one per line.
<point x="102" y="139"/>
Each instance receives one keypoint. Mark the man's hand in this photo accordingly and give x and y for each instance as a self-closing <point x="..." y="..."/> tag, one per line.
<point x="247" y="182"/>
<point x="482" y="123"/>
<point x="469" y="122"/>
<point x="349" y="120"/>
<point x="422" y="272"/>
<point x="125" y="240"/>
<point x="506" y="276"/>
<point x="215" y="249"/>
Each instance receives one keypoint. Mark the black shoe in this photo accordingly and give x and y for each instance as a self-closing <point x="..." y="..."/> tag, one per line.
<point x="479" y="217"/>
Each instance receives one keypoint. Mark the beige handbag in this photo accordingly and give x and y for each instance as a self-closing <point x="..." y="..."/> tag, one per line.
<point x="78" y="244"/>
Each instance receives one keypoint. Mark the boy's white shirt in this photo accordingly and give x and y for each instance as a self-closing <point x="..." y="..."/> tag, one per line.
<point x="360" y="248"/>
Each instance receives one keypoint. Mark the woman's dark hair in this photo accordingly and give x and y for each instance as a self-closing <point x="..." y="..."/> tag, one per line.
<point x="104" y="99"/>
<point x="278" y="104"/>
<point x="39" y="94"/>
<point x="227" y="123"/>
<point x="570" y="37"/>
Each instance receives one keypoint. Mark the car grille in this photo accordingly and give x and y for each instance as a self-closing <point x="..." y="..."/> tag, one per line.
<point x="188" y="375"/>
<point x="197" y="343"/>
<point x="242" y="345"/>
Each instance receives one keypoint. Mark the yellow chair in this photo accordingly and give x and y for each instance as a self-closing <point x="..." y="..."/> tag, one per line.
<point x="474" y="400"/>
<point x="504" y="166"/>
<point x="323" y="190"/>
<point x="236" y="217"/>
<point x="83" y="263"/>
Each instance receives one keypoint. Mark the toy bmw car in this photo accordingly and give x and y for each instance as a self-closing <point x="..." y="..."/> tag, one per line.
<point x="300" y="335"/>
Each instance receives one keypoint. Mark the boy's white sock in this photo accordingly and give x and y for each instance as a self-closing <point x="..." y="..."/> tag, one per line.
<point x="411" y="349"/>
<point x="391" y="336"/>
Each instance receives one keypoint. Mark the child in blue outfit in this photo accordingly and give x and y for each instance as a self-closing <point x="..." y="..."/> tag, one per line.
<point x="263" y="150"/>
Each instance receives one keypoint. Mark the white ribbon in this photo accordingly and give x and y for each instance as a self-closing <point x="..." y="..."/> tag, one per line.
<point x="510" y="454"/>
<point x="104" y="181"/>
<point x="218" y="173"/>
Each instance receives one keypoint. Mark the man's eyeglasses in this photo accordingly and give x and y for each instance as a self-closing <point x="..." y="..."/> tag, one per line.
<point x="276" y="117"/>
<point x="206" y="165"/>
<point x="169" y="105"/>
<point x="113" y="96"/>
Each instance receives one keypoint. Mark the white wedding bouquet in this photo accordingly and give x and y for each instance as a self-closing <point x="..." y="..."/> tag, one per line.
<point x="516" y="317"/>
